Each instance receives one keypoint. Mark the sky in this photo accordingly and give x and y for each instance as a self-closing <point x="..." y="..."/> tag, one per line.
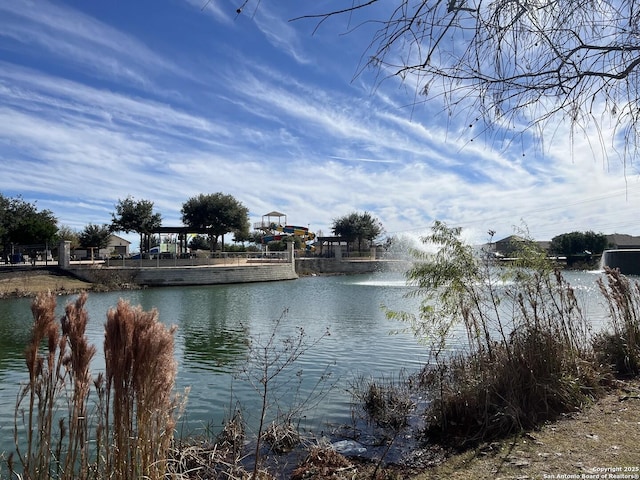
<point x="163" y="101"/>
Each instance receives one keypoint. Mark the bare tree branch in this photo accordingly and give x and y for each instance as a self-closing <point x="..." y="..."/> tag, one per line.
<point x="535" y="60"/>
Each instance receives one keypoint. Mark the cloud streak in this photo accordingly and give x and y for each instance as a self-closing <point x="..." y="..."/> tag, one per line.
<point x="267" y="113"/>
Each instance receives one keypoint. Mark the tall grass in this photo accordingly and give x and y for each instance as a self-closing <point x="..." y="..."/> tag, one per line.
<point x="126" y="431"/>
<point x="619" y="345"/>
<point x="77" y="363"/>
<point x="36" y="423"/>
<point x="526" y="355"/>
<point x="140" y="376"/>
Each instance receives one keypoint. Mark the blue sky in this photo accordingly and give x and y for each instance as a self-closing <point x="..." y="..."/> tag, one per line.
<point x="165" y="100"/>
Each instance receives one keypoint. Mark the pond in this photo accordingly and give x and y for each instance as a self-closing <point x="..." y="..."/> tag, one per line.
<point x="346" y="332"/>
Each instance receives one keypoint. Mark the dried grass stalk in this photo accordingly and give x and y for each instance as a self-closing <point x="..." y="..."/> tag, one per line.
<point x="77" y="361"/>
<point x="140" y="376"/>
<point x="135" y="409"/>
<point x="41" y="390"/>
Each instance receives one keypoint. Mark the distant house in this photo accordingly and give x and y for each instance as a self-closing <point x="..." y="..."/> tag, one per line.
<point x="509" y="245"/>
<point x="117" y="246"/>
<point x="623" y="241"/>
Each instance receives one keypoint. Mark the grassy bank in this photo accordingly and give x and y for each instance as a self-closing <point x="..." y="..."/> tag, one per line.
<point x="28" y="283"/>
<point x="604" y="435"/>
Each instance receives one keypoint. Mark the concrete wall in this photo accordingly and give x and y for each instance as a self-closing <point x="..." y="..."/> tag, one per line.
<point x="627" y="261"/>
<point x="176" y="276"/>
<point x="334" y="266"/>
<point x="148" y="274"/>
<point x="153" y="273"/>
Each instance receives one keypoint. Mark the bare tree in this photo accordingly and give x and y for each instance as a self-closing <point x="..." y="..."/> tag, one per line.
<point x="513" y="63"/>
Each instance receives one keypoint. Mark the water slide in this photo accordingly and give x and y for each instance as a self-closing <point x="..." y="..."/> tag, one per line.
<point x="289" y="230"/>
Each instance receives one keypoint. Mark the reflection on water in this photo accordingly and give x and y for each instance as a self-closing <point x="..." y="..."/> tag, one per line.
<point x="14" y="314"/>
<point x="217" y="323"/>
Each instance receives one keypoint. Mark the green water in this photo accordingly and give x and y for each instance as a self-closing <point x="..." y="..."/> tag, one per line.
<point x="344" y="326"/>
<point x="216" y="325"/>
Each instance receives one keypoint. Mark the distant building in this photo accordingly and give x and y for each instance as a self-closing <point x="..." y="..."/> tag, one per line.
<point x="621" y="241"/>
<point x="507" y="246"/>
<point x="326" y="246"/>
<point x="117" y="246"/>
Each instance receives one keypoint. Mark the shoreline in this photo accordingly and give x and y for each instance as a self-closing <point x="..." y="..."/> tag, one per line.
<point x="27" y="282"/>
<point x="604" y="434"/>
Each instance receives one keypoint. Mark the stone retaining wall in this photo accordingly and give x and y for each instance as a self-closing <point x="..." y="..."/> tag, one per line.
<point x="333" y="266"/>
<point x="176" y="276"/>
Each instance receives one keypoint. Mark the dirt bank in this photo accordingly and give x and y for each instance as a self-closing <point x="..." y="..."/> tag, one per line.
<point x="602" y="440"/>
<point x="20" y="282"/>
<point x="599" y="442"/>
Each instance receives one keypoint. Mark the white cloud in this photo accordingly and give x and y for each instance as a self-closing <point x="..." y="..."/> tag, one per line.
<point x="274" y="132"/>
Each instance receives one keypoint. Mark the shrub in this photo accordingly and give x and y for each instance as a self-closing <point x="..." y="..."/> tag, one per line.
<point x="386" y="402"/>
<point x="324" y="462"/>
<point x="526" y="383"/>
<point x="523" y="354"/>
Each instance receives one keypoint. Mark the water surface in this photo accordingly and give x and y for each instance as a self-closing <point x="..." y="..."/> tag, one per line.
<point x="345" y="328"/>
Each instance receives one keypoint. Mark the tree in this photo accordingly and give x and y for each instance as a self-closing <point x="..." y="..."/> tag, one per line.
<point x="94" y="236"/>
<point x="199" y="242"/>
<point x="67" y="233"/>
<point x="242" y="235"/>
<point x="578" y="242"/>
<point x="136" y="216"/>
<point x="520" y="63"/>
<point x="357" y="226"/>
<point x="256" y="237"/>
<point x="217" y="213"/>
<point x="22" y="223"/>
<point x="520" y="336"/>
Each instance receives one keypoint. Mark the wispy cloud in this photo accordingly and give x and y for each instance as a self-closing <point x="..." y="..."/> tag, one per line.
<point x="280" y="33"/>
<point x="92" y="114"/>
<point x="81" y="41"/>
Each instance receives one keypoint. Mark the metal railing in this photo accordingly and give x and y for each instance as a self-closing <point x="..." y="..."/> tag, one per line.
<point x="214" y="259"/>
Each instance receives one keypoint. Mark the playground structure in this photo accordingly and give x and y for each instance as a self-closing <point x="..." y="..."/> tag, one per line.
<point x="274" y="228"/>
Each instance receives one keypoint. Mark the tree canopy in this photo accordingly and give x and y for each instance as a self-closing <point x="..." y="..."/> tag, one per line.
<point x="200" y="242"/>
<point x="218" y="213"/>
<point x="578" y="242"/>
<point x="135" y="216"/>
<point x="94" y="236"/>
<point x="519" y="63"/>
<point x="21" y="223"/>
<point x="357" y="227"/>
<point x="67" y="233"/>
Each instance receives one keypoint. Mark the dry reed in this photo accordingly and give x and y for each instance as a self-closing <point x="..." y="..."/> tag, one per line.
<point x="77" y="362"/>
<point x="41" y="391"/>
<point x="619" y="346"/>
<point x="140" y="376"/>
<point x="129" y="432"/>
<point x="527" y="355"/>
